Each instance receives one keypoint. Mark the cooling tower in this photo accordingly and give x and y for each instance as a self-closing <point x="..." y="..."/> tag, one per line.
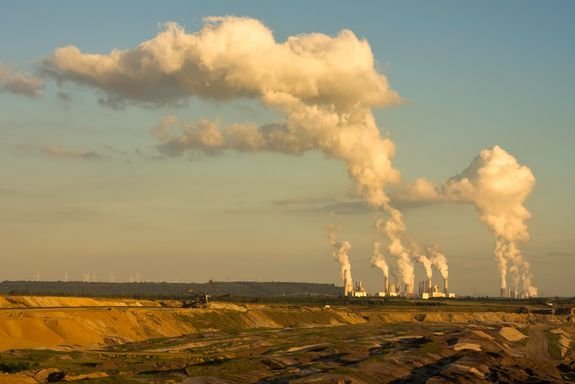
<point x="346" y="285"/>
<point x="409" y="289"/>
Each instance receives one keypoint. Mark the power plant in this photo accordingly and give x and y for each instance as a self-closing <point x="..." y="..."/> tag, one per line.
<point x="349" y="291"/>
<point x="511" y="293"/>
<point x="426" y="290"/>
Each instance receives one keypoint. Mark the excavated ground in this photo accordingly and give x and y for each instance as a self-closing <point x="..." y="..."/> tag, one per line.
<point x="108" y="341"/>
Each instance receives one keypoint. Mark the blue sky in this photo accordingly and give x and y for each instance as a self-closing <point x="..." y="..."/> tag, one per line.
<point x="475" y="74"/>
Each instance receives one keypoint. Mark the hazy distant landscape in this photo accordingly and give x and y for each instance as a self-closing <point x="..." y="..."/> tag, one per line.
<point x="169" y="290"/>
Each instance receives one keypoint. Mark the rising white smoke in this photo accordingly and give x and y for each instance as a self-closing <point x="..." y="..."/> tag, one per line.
<point x="438" y="260"/>
<point x="394" y="229"/>
<point x="325" y="87"/>
<point x="498" y="186"/>
<point x="426" y="263"/>
<point x="377" y="259"/>
<point x="341" y="254"/>
<point x="232" y="57"/>
<point x="419" y="255"/>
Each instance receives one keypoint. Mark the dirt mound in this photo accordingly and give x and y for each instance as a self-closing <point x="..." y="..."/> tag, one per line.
<point x="93" y="327"/>
<point x="511" y="334"/>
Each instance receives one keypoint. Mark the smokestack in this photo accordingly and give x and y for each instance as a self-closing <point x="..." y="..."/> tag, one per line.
<point x="445" y="286"/>
<point x="409" y="289"/>
<point x="505" y="293"/>
<point x="513" y="294"/>
<point x="386" y="284"/>
<point x="346" y="284"/>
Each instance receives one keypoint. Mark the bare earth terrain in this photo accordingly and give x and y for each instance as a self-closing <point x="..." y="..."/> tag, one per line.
<point x="128" y="341"/>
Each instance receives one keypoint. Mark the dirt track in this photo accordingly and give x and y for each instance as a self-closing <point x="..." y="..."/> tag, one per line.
<point x="538" y="344"/>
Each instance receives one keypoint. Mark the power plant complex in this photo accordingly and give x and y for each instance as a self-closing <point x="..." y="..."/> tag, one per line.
<point x="426" y="290"/>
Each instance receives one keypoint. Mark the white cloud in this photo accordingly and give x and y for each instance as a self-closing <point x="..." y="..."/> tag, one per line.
<point x="231" y="57"/>
<point x="17" y="83"/>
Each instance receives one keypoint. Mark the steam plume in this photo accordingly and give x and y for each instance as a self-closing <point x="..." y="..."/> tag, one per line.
<point x="498" y="186"/>
<point x="438" y="260"/>
<point x="341" y="254"/>
<point x="378" y="260"/>
<point x="325" y="87"/>
<point x="426" y="262"/>
<point x="394" y="228"/>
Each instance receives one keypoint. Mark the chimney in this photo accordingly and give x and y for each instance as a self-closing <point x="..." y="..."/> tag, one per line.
<point x="345" y="284"/>
<point x="386" y="285"/>
<point x="513" y="294"/>
<point x="409" y="289"/>
<point x="446" y="286"/>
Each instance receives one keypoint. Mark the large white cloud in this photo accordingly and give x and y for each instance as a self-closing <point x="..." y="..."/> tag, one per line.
<point x="232" y="57"/>
<point x="324" y="87"/>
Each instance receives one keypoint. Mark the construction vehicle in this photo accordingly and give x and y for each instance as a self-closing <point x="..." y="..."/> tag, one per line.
<point x="196" y="301"/>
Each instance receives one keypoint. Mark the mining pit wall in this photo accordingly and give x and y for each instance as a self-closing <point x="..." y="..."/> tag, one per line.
<point x="72" y="323"/>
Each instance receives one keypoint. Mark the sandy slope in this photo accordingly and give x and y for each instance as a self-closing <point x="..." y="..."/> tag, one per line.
<point x="59" y="301"/>
<point x="67" y="325"/>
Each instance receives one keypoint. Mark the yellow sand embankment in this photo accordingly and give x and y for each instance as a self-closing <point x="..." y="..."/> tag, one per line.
<point x="457" y="317"/>
<point x="62" y="301"/>
<point x="94" y="327"/>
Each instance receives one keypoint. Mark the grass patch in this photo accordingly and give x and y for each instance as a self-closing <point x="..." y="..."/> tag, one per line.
<point x="430" y="347"/>
<point x="554" y="349"/>
<point x="15" y="366"/>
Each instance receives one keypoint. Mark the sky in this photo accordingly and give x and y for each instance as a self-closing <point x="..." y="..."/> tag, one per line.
<point x="87" y="186"/>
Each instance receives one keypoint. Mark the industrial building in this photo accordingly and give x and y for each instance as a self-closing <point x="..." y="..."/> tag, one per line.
<point x="349" y="291"/>
<point x="359" y="291"/>
<point x="428" y="290"/>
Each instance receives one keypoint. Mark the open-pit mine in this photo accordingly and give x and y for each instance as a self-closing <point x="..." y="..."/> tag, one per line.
<point x="60" y="339"/>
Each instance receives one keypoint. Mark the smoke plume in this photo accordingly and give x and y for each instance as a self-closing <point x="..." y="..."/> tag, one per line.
<point x="438" y="260"/>
<point x="394" y="228"/>
<point x="426" y="263"/>
<point x="378" y="260"/>
<point x="324" y="87"/>
<point x="341" y="254"/>
<point x="231" y="57"/>
<point x="498" y="186"/>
